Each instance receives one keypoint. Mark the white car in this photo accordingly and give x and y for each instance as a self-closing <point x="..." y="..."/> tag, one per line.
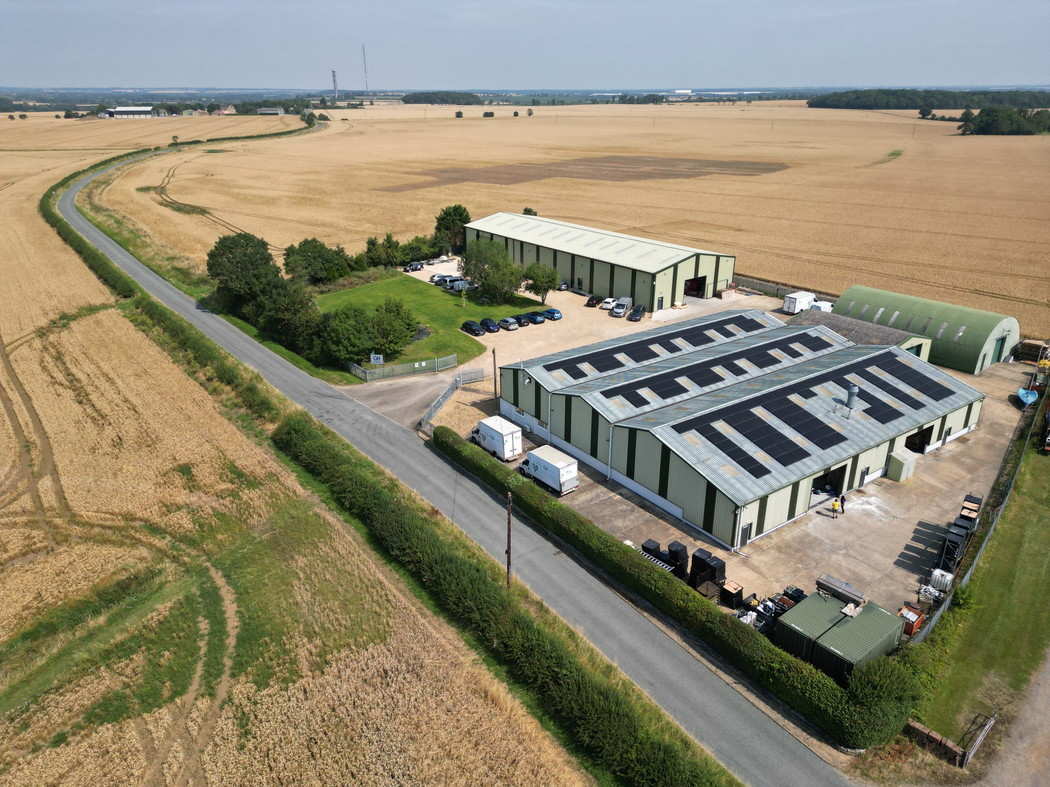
<point x="608" y="303"/>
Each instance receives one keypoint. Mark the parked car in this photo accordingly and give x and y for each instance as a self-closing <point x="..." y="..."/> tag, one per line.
<point x="451" y="281"/>
<point x="621" y="307"/>
<point x="490" y="325"/>
<point x="536" y="317"/>
<point x="412" y="267"/>
<point x="473" y="328"/>
<point x="521" y="319"/>
<point x="439" y="278"/>
<point x="508" y="324"/>
<point x="608" y="303"/>
<point x="552" y="314"/>
<point x="563" y="286"/>
<point x="636" y="313"/>
<point x="592" y="302"/>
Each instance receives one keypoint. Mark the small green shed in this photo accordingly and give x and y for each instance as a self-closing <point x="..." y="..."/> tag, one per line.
<point x="818" y="631"/>
<point x="962" y="338"/>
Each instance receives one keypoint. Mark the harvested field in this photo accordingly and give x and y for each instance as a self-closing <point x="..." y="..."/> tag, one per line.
<point x="171" y="600"/>
<point x="820" y="199"/>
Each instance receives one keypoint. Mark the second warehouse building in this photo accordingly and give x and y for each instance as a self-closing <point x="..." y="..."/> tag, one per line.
<point x="735" y="422"/>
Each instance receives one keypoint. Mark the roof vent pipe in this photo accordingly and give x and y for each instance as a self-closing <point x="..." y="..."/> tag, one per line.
<point x="851" y="396"/>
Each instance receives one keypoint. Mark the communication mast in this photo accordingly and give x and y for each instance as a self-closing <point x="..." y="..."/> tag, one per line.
<point x="364" y="59"/>
<point x="335" y="88"/>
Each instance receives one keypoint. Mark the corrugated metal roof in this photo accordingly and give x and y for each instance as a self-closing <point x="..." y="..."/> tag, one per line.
<point x="642" y="254"/>
<point x="855" y="638"/>
<point x="625" y="394"/>
<point x="571" y="367"/>
<point x="707" y="430"/>
<point x="813" y="615"/>
<point x="958" y="333"/>
<point x="857" y="331"/>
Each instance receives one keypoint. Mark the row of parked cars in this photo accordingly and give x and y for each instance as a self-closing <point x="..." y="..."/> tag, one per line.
<point x="618" y="307"/>
<point x="488" y="325"/>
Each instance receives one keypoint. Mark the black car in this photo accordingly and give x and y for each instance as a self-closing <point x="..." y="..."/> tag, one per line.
<point x="412" y="267"/>
<point x="473" y="328"/>
<point x="636" y="313"/>
<point x="593" y="301"/>
<point x="490" y="325"/>
<point x="521" y="319"/>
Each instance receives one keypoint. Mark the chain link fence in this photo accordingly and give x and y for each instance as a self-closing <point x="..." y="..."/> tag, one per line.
<point x="390" y="371"/>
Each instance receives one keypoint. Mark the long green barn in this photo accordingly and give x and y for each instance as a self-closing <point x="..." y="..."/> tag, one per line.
<point x="609" y="264"/>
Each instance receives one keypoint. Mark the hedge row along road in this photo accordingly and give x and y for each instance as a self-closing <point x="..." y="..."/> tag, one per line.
<point x="754" y="747"/>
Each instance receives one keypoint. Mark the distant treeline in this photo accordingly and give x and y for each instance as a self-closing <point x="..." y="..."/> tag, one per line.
<point x="941" y="99"/>
<point x="442" y="97"/>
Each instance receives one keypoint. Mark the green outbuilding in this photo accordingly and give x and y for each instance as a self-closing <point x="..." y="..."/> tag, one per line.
<point x="837" y="638"/>
<point x="962" y="338"/>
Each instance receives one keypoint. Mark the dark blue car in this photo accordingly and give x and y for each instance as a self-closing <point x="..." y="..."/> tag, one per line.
<point x="536" y="317"/>
<point x="490" y="325"/>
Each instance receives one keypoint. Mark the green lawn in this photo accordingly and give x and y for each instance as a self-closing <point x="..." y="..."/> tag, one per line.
<point x="437" y="308"/>
<point x="1003" y="640"/>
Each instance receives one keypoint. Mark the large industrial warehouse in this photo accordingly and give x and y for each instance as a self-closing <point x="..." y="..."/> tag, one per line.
<point x="736" y="423"/>
<point x="654" y="274"/>
<point x="962" y="338"/>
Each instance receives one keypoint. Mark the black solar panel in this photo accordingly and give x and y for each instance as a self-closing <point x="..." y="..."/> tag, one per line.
<point x="640" y="354"/>
<point x="605" y="363"/>
<point x="888" y="387"/>
<point x="766" y="436"/>
<point x="916" y="379"/>
<point x="807" y="425"/>
<point x="635" y="399"/>
<point x="703" y="372"/>
<point x="733" y="451"/>
<point x="878" y="409"/>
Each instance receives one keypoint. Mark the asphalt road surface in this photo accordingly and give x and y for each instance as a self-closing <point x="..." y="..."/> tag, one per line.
<point x="754" y="747"/>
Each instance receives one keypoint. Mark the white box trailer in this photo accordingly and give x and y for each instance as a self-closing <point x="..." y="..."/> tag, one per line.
<point x="549" y="467"/>
<point x="499" y="437"/>
<point x="798" y="302"/>
<point x="822" y="306"/>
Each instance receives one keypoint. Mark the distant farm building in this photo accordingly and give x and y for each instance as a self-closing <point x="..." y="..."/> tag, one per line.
<point x="609" y="264"/>
<point x="270" y="111"/>
<point x="132" y="112"/>
<point x="962" y="338"/>
<point x="734" y="422"/>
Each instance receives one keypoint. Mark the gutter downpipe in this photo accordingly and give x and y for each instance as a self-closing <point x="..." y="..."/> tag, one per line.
<point x="608" y="465"/>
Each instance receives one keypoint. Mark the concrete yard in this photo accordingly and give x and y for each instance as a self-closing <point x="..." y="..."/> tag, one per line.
<point x="886" y="541"/>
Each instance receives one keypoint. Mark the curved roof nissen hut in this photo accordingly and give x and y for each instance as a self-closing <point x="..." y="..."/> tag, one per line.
<point x="962" y="338"/>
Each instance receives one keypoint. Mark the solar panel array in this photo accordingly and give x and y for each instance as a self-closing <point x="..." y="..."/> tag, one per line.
<point x="773" y="422"/>
<point x="704" y="374"/>
<point x="691" y="336"/>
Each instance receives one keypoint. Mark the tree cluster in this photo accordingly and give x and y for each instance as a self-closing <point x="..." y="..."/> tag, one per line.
<point x="442" y="97"/>
<point x="489" y="265"/>
<point x="1005" y="121"/>
<point x="648" y="98"/>
<point x="917" y="99"/>
<point x="250" y="285"/>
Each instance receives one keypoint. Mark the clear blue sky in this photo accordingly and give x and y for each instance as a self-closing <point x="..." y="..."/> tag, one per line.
<point x="463" y="44"/>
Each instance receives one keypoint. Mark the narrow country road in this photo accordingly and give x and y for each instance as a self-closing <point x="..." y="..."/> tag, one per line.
<point x="755" y="748"/>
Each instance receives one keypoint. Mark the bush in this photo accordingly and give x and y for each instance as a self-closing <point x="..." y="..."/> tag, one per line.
<point x="805" y="688"/>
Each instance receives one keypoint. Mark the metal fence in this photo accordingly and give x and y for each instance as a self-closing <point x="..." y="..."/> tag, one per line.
<point x="390" y="371"/>
<point x="461" y="379"/>
<point x="1003" y="485"/>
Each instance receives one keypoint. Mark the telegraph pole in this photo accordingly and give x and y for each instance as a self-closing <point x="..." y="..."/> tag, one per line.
<point x="495" y="376"/>
<point x="509" y="504"/>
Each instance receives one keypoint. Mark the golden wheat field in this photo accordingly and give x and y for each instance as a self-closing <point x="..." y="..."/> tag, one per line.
<point x="820" y="199"/>
<point x="174" y="607"/>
